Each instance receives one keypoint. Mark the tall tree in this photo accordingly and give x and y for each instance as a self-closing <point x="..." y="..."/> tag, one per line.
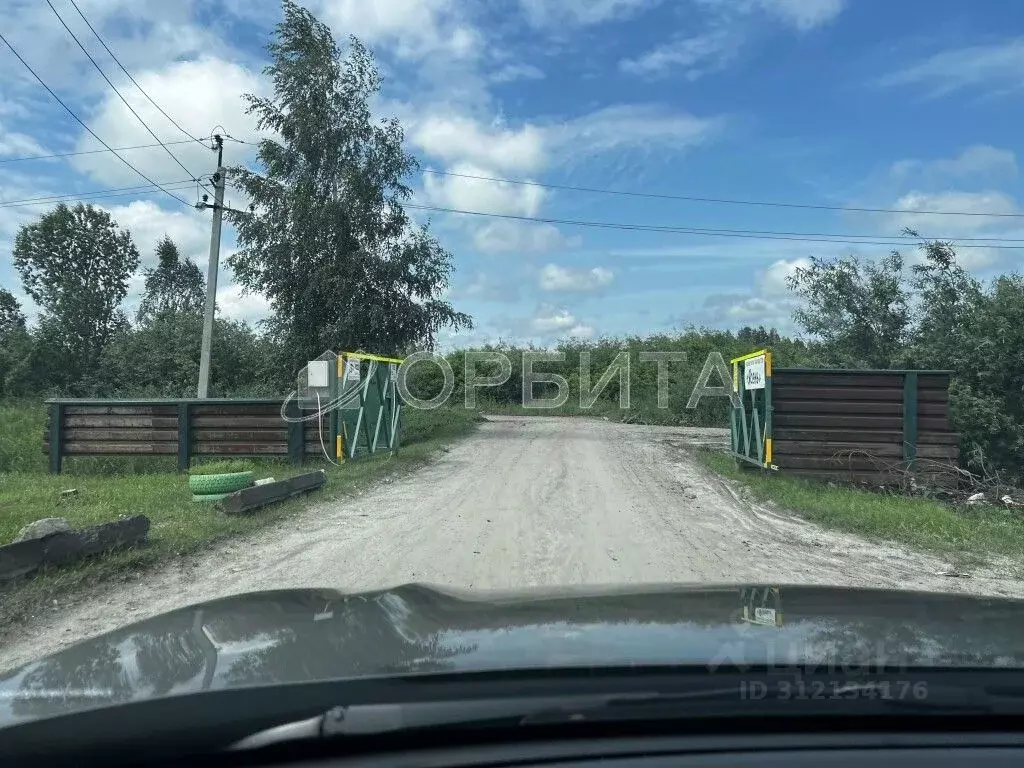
<point x="328" y="241"/>
<point x="858" y="308"/>
<point x="173" y="285"/>
<point x="15" y="342"/>
<point x="75" y="263"/>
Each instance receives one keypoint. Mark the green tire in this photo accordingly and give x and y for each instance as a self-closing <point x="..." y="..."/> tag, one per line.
<point x="205" y="485"/>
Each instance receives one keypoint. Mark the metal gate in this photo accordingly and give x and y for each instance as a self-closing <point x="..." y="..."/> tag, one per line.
<point x="369" y="419"/>
<point x="751" y="421"/>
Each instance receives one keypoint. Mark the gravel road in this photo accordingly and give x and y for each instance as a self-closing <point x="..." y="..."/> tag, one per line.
<point x="524" y="502"/>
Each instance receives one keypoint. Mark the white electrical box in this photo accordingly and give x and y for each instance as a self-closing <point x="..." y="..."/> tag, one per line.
<point x="318" y="373"/>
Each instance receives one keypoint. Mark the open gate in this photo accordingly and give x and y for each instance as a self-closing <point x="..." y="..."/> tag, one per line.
<point x="751" y="420"/>
<point x="369" y="417"/>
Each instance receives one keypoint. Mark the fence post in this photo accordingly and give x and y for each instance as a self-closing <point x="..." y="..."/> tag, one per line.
<point x="910" y="418"/>
<point x="56" y="436"/>
<point x="296" y="432"/>
<point x="184" y="438"/>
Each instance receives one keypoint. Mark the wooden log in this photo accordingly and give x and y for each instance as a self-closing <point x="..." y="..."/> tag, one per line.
<point x="238" y="435"/>
<point x="243" y="409"/>
<point x="121" y="410"/>
<point x="812" y="448"/>
<point x="111" y="448"/>
<point x="238" y="422"/>
<point x="850" y="423"/>
<point x="239" y="449"/>
<point x="92" y="434"/>
<point x="258" y="496"/>
<point x="122" y="422"/>
<point x="783" y="378"/>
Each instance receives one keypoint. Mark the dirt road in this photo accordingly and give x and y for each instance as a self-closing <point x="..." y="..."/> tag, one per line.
<point x="538" y="501"/>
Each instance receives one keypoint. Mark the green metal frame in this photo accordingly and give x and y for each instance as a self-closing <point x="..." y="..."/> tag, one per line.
<point x="750" y="422"/>
<point x="371" y="421"/>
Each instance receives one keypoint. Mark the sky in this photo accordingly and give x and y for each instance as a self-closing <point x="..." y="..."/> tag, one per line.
<point x="828" y="105"/>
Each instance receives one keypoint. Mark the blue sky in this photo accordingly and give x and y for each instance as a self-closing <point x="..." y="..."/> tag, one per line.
<point x="908" y="105"/>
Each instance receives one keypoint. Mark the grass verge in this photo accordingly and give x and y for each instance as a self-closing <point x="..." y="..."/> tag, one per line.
<point x="967" y="534"/>
<point x="179" y="526"/>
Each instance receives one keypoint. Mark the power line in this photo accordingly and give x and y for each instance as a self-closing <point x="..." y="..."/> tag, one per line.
<point x="114" y="89"/>
<point x="114" y="192"/>
<point x="89" y="152"/>
<point x="129" y="75"/>
<point x="82" y="122"/>
<point x="732" y="233"/>
<point x="694" y="198"/>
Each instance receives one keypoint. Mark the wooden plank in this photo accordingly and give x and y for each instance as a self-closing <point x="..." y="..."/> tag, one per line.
<point x="932" y="381"/>
<point x="91" y="434"/>
<point x="237" y="410"/>
<point x="239" y="449"/>
<point x="259" y="496"/>
<point x="795" y="392"/>
<point x="838" y="435"/>
<point x="121" y="410"/>
<point x="932" y="395"/>
<point x="238" y="435"/>
<point x="782" y="378"/>
<point x="816" y="421"/>
<point x="854" y="463"/>
<point x="810" y="448"/>
<point x="941" y="437"/>
<point x="854" y="408"/>
<point x="933" y="409"/>
<point x="83" y="448"/>
<point x="932" y="424"/>
<point x="120" y="422"/>
<point x="951" y="452"/>
<point x="238" y="422"/>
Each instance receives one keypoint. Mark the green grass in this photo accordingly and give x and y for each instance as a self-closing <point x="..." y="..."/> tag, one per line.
<point x="179" y="526"/>
<point x="970" y="534"/>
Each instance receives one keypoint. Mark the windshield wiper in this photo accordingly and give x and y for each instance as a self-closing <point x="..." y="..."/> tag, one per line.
<point x="774" y="698"/>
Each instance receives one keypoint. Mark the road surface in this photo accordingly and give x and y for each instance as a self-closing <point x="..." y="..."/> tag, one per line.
<point x="524" y="502"/>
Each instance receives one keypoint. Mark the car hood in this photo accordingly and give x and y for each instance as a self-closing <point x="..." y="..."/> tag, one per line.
<point x="304" y="635"/>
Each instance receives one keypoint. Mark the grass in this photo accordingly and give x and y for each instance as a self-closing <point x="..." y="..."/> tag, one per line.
<point x="179" y="526"/>
<point x="968" y="534"/>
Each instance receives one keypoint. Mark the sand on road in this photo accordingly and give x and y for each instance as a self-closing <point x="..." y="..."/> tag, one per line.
<point x="523" y="502"/>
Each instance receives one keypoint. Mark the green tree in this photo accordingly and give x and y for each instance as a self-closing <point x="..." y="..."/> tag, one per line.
<point x="15" y="344"/>
<point x="328" y="240"/>
<point x="174" y="285"/>
<point x="75" y="263"/>
<point x="858" y="308"/>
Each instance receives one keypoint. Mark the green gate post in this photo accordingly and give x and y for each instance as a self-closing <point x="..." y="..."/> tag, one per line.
<point x="910" y="418"/>
<point x="56" y="436"/>
<point x="184" y="438"/>
<point x="296" y="432"/>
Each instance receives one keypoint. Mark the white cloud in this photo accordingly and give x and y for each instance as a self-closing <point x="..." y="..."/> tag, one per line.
<point x="482" y="195"/>
<point x="769" y="302"/>
<point x="13" y="144"/>
<point x="550" y="320"/>
<point x="626" y="126"/>
<point x="197" y="94"/>
<point x="930" y="225"/>
<point x="148" y="223"/>
<point x="553" y="13"/>
<point x="804" y="14"/>
<point x="693" y="56"/>
<point x="414" y="29"/>
<point x="234" y="303"/>
<point x="976" y="160"/>
<point x="555" y="278"/>
<point x="512" y="72"/>
<point x="521" y="237"/>
<point x="997" y="66"/>
<point x="462" y="139"/>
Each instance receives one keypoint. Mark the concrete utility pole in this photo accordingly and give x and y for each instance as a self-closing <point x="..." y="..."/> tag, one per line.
<point x="211" y="271"/>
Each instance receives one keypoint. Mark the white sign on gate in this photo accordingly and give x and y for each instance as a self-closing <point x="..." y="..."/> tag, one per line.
<point x="753" y="373"/>
<point x="352" y="369"/>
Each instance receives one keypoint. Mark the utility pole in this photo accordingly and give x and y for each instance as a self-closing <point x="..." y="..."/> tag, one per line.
<point x="211" y="270"/>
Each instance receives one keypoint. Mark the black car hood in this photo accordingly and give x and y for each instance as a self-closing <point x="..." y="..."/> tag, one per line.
<point x="304" y="635"/>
